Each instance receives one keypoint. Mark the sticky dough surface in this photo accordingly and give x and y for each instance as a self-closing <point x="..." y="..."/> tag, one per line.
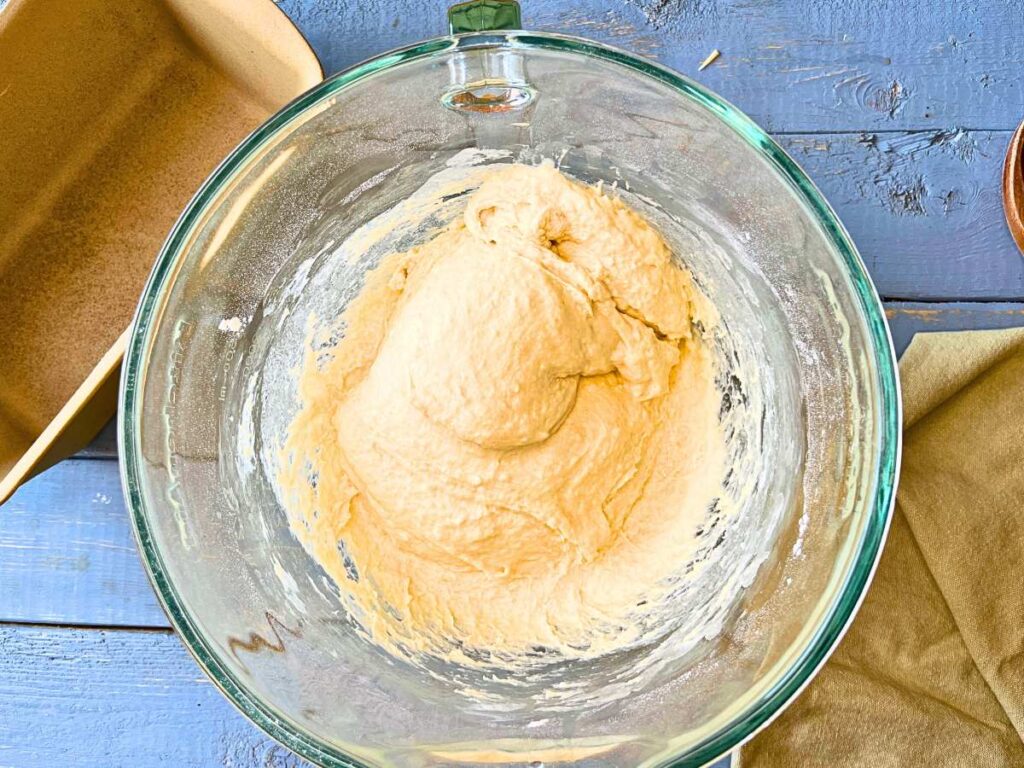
<point x="514" y="441"/>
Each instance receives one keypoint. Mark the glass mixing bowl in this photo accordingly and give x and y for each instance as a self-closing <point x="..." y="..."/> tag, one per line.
<point x="806" y="371"/>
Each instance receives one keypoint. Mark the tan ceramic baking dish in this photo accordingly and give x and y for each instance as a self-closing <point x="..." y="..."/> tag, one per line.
<point x="112" y="112"/>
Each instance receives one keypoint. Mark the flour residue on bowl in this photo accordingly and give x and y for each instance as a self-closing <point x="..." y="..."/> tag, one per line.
<point x="508" y="453"/>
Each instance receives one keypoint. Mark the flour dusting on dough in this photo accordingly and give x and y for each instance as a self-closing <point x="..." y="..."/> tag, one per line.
<point x="514" y="443"/>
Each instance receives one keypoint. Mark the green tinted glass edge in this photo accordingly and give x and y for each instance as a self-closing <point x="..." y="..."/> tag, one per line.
<point x="841" y="613"/>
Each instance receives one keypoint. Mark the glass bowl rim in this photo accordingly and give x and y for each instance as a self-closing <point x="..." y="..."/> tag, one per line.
<point x="836" y="620"/>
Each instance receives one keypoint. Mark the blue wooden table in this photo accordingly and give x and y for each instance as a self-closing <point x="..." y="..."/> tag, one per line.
<point x="899" y="111"/>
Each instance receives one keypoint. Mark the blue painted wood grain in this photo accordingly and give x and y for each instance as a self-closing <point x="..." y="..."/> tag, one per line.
<point x="907" y="319"/>
<point x="108" y="699"/>
<point x="67" y="554"/>
<point x="793" y="66"/>
<point x="924" y="209"/>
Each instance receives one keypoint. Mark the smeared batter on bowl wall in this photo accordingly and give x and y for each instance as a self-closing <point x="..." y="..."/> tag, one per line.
<point x="514" y="443"/>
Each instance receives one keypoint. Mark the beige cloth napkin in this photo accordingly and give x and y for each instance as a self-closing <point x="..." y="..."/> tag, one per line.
<point x="932" y="671"/>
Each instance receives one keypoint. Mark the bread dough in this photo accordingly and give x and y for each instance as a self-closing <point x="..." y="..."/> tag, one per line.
<point x="512" y="446"/>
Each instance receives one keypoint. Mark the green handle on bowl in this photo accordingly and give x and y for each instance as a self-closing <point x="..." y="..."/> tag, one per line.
<point x="484" y="16"/>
